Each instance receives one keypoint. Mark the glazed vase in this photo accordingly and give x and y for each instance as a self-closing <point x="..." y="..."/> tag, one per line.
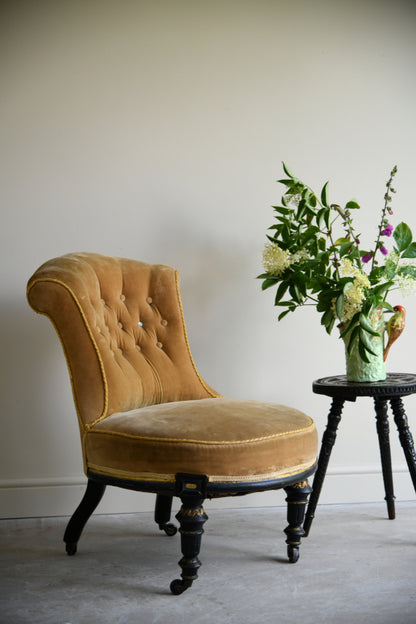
<point x="375" y="369"/>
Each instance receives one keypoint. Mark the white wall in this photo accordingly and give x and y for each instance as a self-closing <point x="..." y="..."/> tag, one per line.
<point x="155" y="130"/>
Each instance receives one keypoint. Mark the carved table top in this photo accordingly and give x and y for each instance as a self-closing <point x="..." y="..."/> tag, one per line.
<point x="337" y="386"/>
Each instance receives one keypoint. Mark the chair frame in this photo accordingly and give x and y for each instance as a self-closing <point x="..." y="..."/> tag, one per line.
<point x="193" y="489"/>
<point x="95" y="288"/>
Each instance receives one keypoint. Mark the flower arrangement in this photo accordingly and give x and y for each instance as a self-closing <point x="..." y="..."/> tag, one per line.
<point x="315" y="257"/>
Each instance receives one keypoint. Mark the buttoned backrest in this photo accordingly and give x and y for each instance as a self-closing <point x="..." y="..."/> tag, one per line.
<point x="121" y="325"/>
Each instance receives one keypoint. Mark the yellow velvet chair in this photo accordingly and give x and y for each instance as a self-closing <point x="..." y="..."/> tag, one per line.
<point x="147" y="419"/>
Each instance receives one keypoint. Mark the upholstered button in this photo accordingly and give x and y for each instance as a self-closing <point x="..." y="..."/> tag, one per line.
<point x="123" y="297"/>
<point x="149" y="299"/>
<point x="102" y="301"/>
<point x="163" y="322"/>
<point x="140" y="324"/>
<point x="159" y="344"/>
<point x="138" y="347"/>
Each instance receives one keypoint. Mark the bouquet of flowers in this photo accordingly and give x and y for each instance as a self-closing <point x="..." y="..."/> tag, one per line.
<point x="314" y="257"/>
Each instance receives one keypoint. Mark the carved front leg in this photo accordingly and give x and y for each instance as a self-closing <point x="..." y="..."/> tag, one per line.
<point x="297" y="497"/>
<point x="191" y="518"/>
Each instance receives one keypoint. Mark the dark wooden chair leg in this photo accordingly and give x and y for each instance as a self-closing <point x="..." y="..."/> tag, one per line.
<point x="297" y="497"/>
<point x="79" y="519"/>
<point x="163" y="510"/>
<point x="191" y="518"/>
<point x="383" y="432"/>
<point x="405" y="436"/>
<point x="328" y="441"/>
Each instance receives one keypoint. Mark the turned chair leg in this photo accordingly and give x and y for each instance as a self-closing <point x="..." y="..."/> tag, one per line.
<point x="191" y="517"/>
<point x="79" y="519"/>
<point x="163" y="510"/>
<point x="297" y="498"/>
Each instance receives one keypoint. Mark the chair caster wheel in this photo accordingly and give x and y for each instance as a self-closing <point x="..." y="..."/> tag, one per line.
<point x="71" y="548"/>
<point x="293" y="553"/>
<point x="169" y="529"/>
<point x="178" y="586"/>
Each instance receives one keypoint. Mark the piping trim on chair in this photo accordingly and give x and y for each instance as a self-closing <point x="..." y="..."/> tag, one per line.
<point x="170" y="478"/>
<point x="84" y="426"/>
<point x="204" y="442"/>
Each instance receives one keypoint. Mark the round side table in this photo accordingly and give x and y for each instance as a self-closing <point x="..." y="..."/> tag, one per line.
<point x="340" y="390"/>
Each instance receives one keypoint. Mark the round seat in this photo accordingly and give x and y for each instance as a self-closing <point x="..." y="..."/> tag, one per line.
<point x="228" y="440"/>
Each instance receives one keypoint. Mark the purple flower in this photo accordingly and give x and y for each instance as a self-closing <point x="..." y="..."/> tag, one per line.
<point x="383" y="250"/>
<point x="388" y="230"/>
<point x="366" y="257"/>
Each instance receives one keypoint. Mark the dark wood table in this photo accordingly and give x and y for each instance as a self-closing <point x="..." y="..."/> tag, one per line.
<point x="396" y="386"/>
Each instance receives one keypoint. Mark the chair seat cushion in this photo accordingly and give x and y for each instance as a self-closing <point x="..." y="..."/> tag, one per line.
<point x="228" y="440"/>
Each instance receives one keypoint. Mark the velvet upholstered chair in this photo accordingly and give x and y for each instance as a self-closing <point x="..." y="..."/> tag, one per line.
<point x="148" y="421"/>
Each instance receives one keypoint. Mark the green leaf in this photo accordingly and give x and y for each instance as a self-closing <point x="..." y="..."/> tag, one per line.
<point x="363" y="352"/>
<point x="365" y="324"/>
<point x="282" y="210"/>
<point x="410" y="252"/>
<point x="350" y="325"/>
<point x="288" y="183"/>
<point x="327" y="218"/>
<point x="324" y="195"/>
<point x="352" y="205"/>
<point x="301" y="209"/>
<point x="346" y="249"/>
<point x="320" y="218"/>
<point x="382" y="288"/>
<point x="283" y="286"/>
<point x="268" y="283"/>
<point x="403" y="236"/>
<point x="353" y="338"/>
<point x="283" y="314"/>
<point x="339" y="305"/>
<point x="312" y="200"/>
<point x="365" y="340"/>
<point x="377" y="273"/>
<point x="287" y="171"/>
<point x="328" y="320"/>
<point x="295" y="293"/>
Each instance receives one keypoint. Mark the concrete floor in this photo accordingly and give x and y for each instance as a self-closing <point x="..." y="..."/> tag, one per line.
<point x="356" y="567"/>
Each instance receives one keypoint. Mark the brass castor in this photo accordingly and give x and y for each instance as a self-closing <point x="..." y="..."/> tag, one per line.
<point x="178" y="586"/>
<point x="293" y="553"/>
<point x="169" y="528"/>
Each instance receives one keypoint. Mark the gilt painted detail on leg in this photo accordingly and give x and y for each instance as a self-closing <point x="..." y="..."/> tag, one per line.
<point x="297" y="497"/>
<point x="191" y="518"/>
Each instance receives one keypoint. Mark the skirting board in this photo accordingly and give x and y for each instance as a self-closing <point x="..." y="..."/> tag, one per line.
<point x="60" y="497"/>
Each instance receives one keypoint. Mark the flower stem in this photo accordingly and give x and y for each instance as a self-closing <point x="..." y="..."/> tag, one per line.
<point x="387" y="199"/>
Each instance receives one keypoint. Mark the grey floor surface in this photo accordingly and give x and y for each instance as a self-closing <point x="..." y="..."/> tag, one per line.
<point x="356" y="567"/>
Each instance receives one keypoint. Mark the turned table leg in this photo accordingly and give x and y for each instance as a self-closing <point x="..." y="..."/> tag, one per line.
<point x="380" y="406"/>
<point x="328" y="441"/>
<point x="405" y="436"/>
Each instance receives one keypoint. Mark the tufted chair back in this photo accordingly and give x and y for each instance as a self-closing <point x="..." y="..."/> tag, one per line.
<point x="121" y="325"/>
